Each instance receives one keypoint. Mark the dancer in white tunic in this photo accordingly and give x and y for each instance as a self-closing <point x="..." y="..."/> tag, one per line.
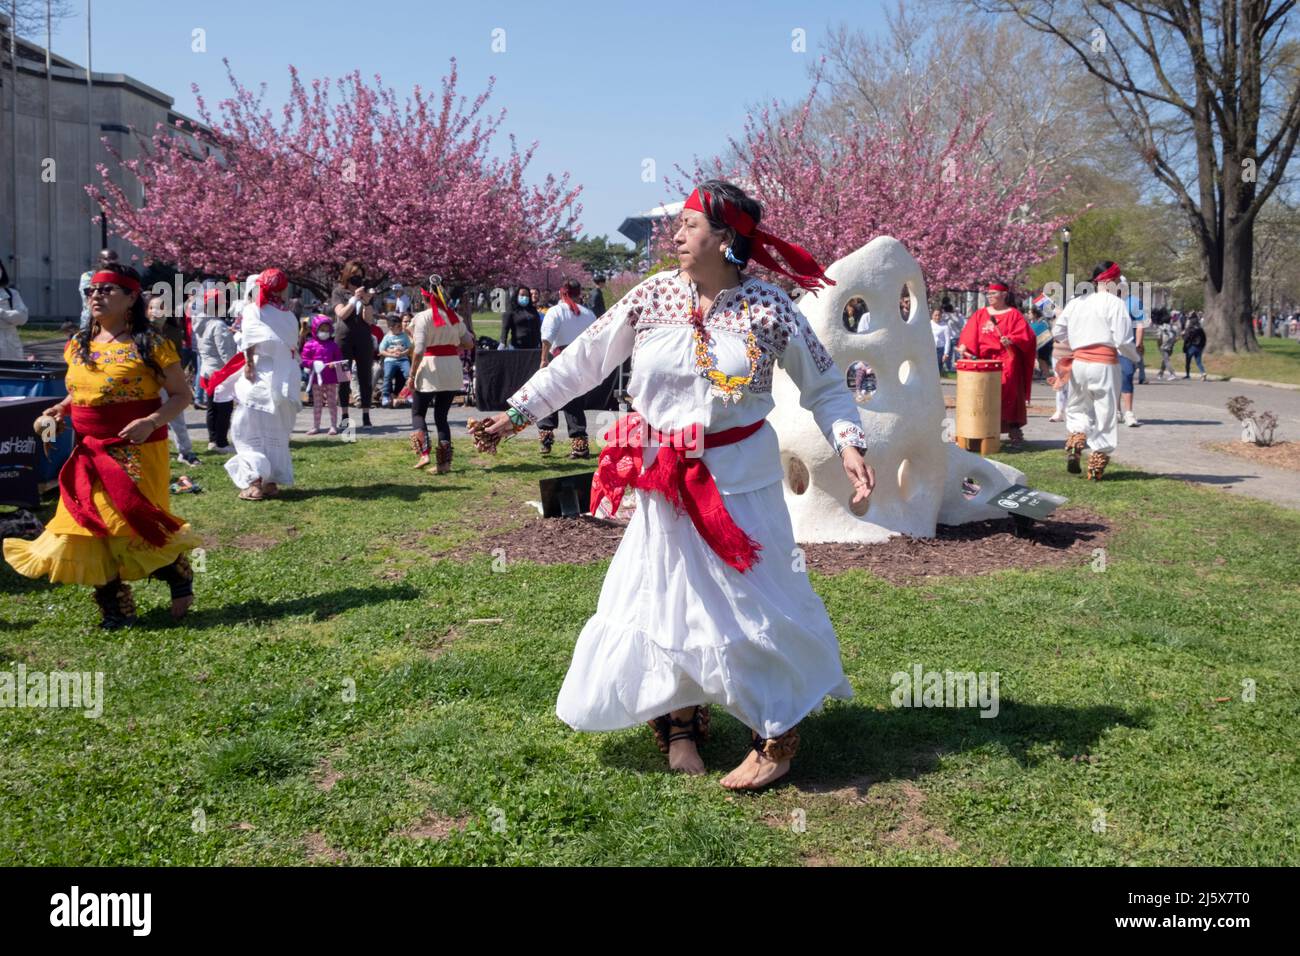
<point x="1095" y="327"/>
<point x="702" y="603"/>
<point x="267" y="391"/>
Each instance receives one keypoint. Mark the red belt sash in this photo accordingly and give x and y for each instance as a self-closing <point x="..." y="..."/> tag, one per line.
<point x="1101" y="354"/>
<point x="97" y="428"/>
<point x="684" y="481"/>
<point x="441" y="350"/>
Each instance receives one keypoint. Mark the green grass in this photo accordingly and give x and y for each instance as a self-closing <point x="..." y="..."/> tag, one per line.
<point x="31" y="335"/>
<point x="328" y="639"/>
<point x="1278" y="360"/>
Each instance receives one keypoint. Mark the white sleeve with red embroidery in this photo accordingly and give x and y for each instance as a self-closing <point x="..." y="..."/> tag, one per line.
<point x="822" y="387"/>
<point x="589" y="360"/>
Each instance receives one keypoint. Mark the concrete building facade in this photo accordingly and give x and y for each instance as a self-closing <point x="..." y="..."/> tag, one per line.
<point x="51" y="140"/>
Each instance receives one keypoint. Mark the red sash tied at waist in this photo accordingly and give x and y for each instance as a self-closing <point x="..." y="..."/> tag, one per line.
<point x="97" y="428"/>
<point x="681" y="478"/>
<point x="441" y="350"/>
<point x="1101" y="354"/>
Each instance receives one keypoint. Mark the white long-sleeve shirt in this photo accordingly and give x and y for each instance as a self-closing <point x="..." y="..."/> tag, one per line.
<point x="13" y="313"/>
<point x="561" y="325"/>
<point x="651" y="323"/>
<point x="1098" y="318"/>
<point x="942" y="335"/>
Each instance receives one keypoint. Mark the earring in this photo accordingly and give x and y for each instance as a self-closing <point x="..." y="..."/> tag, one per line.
<point x="731" y="257"/>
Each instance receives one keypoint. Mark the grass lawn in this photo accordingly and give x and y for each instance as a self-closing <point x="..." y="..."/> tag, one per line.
<point x="1278" y="360"/>
<point x="329" y="699"/>
<point x="31" y="335"/>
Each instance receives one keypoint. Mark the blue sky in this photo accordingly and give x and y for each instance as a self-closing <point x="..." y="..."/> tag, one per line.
<point x="601" y="86"/>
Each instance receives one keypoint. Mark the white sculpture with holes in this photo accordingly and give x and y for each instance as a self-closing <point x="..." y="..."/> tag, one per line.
<point x="922" y="478"/>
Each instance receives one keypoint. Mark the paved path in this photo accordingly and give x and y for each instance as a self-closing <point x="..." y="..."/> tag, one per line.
<point x="1177" y="418"/>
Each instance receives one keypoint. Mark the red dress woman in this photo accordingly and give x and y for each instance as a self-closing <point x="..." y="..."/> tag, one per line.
<point x="1000" y="332"/>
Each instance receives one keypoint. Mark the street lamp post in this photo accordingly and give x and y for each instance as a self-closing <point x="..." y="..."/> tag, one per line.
<point x="1065" y="264"/>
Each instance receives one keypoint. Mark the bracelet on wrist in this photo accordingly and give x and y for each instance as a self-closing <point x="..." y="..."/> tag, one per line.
<point x="517" y="417"/>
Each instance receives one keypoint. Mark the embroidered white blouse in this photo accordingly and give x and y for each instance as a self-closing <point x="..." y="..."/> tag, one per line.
<point x="670" y="385"/>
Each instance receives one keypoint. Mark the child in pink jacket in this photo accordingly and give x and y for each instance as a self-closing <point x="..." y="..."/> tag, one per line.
<point x="322" y="357"/>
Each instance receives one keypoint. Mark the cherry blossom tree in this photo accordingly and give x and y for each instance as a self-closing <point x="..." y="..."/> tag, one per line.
<point x="832" y="192"/>
<point x="406" y="185"/>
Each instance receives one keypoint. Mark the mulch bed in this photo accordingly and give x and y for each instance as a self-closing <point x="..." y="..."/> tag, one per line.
<point x="1280" y="454"/>
<point x="975" y="548"/>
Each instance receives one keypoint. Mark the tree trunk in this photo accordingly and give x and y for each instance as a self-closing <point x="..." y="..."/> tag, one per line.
<point x="1227" y="308"/>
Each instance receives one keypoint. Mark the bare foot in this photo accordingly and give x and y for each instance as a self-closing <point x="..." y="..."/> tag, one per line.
<point x="180" y="606"/>
<point x="424" y="460"/>
<point x="755" y="772"/>
<point x="683" y="756"/>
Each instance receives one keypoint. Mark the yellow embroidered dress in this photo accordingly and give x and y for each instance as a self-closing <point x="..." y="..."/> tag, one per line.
<point x="67" y="553"/>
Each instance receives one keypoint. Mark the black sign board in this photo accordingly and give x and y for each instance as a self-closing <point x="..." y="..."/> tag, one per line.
<point x="566" y="496"/>
<point x="20" y="451"/>
<point x="1027" y="502"/>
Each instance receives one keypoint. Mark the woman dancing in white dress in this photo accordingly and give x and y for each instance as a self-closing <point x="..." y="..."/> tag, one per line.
<point x="702" y="603"/>
<point x="267" y="391"/>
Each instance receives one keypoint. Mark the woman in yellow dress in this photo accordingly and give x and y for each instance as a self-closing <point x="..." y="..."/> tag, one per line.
<point x="113" y="524"/>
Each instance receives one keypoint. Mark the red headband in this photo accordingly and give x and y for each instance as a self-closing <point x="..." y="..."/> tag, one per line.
<point x="804" y="269"/>
<point x="1110" y="275"/>
<point x="117" y="279"/>
<point x="997" y="287"/>
<point x="440" y="309"/>
<point x="269" y="286"/>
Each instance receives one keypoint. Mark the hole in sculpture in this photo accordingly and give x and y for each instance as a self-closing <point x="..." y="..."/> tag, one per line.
<point x="905" y="304"/>
<point x="969" y="487"/>
<point x="861" y="380"/>
<point x="855" y="316"/>
<point x="905" y="486"/>
<point x="796" y="476"/>
<point x="905" y="371"/>
<point x="859" y="508"/>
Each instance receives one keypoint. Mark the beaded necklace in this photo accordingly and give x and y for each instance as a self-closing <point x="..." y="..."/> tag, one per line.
<point x="721" y="385"/>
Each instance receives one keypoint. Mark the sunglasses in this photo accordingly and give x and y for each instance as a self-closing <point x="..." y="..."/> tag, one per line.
<point x="102" y="290"/>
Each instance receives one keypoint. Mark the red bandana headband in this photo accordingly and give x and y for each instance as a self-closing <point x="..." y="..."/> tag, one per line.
<point x="1110" y="275"/>
<point x="997" y="287"/>
<point x="117" y="279"/>
<point x="270" y="284"/>
<point x="441" y="310"/>
<point x="567" y="299"/>
<point x="804" y="269"/>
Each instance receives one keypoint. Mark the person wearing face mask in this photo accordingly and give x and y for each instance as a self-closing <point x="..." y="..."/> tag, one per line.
<point x="322" y="358"/>
<point x="521" y="324"/>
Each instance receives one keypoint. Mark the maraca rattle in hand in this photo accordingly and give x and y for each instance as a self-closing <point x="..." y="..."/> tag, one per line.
<point x="47" y="428"/>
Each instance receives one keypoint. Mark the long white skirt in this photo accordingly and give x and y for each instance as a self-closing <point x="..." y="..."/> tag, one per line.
<point x="675" y="627"/>
<point x="261" y="441"/>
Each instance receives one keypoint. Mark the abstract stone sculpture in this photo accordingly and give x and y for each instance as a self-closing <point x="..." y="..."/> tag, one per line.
<point x="920" y="473"/>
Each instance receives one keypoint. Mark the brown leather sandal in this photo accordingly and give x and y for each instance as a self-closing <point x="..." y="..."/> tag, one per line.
<point x="779" y="748"/>
<point x="698" y="728"/>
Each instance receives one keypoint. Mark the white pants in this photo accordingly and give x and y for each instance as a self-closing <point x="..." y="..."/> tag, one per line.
<point x="1093" y="406"/>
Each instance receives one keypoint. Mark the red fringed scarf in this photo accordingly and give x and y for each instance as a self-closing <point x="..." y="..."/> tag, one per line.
<point x="568" y="300"/>
<point x="684" y="481"/>
<point x="270" y="286"/>
<point x="442" y="312"/>
<point x="804" y="269"/>
<point x="97" y="428"/>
